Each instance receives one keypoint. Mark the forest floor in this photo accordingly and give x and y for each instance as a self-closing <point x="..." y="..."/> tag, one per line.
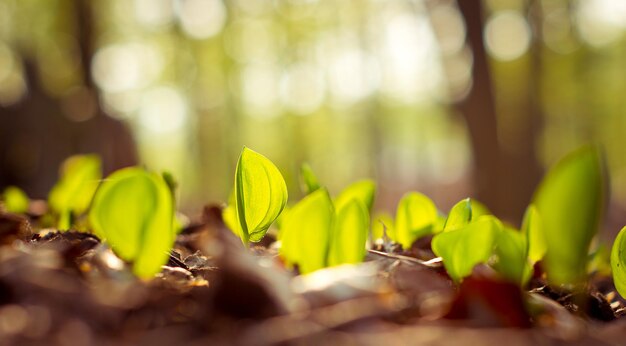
<point x="67" y="288"/>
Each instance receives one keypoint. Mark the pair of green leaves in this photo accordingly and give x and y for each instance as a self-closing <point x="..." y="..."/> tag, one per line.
<point x="417" y="216"/>
<point x="72" y="194"/>
<point x="317" y="233"/>
<point x="133" y="210"/>
<point x="471" y="236"/>
<point x="465" y="242"/>
<point x="560" y="224"/>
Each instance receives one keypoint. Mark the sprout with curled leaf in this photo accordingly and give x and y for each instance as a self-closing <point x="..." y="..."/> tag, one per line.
<point x="260" y="195"/>
<point x="133" y="211"/>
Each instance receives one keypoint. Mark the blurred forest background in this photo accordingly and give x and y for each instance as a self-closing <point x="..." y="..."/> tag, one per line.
<point x="448" y="98"/>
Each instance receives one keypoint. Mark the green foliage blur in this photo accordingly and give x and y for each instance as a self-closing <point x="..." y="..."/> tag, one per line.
<point x="356" y="88"/>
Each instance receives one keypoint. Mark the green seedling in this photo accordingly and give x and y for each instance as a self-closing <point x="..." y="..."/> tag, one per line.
<point x="311" y="183"/>
<point x="416" y="217"/>
<point x="15" y="200"/>
<point x="511" y="250"/>
<point x="306" y="232"/>
<point x="618" y="262"/>
<point x="479" y="209"/>
<point x="315" y="234"/>
<point x="364" y="191"/>
<point x="460" y="215"/>
<point x="464" y="247"/>
<point x="133" y="211"/>
<point x="471" y="237"/>
<point x="349" y="234"/>
<point x="533" y="231"/>
<point x="71" y="196"/>
<point x="569" y="201"/>
<point x="260" y="195"/>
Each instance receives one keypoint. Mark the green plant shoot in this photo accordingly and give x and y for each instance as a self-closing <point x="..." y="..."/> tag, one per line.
<point x="569" y="201"/>
<point x="311" y="183"/>
<point x="479" y="209"/>
<point x="349" y="234"/>
<point x="512" y="255"/>
<point x="260" y="195"/>
<point x="133" y="211"/>
<point x="80" y="176"/>
<point x="15" y="200"/>
<point x="618" y="262"/>
<point x="463" y="248"/>
<point x="306" y="232"/>
<point x="364" y="190"/>
<point x="459" y="216"/>
<point x="415" y="218"/>
<point x="532" y="229"/>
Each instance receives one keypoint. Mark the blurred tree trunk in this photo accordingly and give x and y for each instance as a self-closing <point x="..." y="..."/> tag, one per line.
<point x="505" y="178"/>
<point x="39" y="132"/>
<point x="520" y="164"/>
<point x="479" y="111"/>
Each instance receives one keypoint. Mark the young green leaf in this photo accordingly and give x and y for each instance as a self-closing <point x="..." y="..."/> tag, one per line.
<point x="133" y="211"/>
<point x="15" y="200"/>
<point x="311" y="183"/>
<point x="349" y="234"/>
<point x="570" y="202"/>
<point x="305" y="233"/>
<point x="363" y="190"/>
<point x="260" y="194"/>
<point x="479" y="209"/>
<point x="618" y="262"/>
<point x="80" y="176"/>
<point x="463" y="248"/>
<point x="531" y="228"/>
<point x="459" y="216"/>
<point x="415" y="218"/>
<point x="512" y="253"/>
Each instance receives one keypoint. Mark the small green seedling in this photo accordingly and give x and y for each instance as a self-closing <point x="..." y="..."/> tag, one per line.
<point x="133" y="211"/>
<point x="533" y="231"/>
<point x="315" y="234"/>
<point x="15" y="200"/>
<point x="570" y="202"/>
<point x="479" y="209"/>
<point x="311" y="183"/>
<point x="511" y="250"/>
<point x="364" y="191"/>
<point x="71" y="196"/>
<point x="306" y="232"/>
<point x="460" y="215"/>
<point x="463" y="248"/>
<point x="618" y="262"/>
<point x="470" y="237"/>
<point x="349" y="234"/>
<point x="416" y="217"/>
<point x="260" y="195"/>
